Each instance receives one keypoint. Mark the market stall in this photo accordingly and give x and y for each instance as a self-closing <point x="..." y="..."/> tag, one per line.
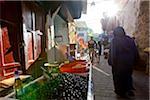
<point x="68" y="81"/>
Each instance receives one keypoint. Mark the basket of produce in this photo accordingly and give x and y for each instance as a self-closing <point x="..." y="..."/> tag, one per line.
<point x="73" y="67"/>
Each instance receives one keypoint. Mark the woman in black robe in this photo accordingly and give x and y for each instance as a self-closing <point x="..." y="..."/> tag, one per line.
<point x="123" y="55"/>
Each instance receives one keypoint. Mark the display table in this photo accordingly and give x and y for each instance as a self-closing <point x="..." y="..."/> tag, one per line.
<point x="79" y="80"/>
<point x="10" y="81"/>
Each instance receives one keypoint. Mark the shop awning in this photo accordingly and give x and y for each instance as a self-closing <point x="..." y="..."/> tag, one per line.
<point x="75" y="7"/>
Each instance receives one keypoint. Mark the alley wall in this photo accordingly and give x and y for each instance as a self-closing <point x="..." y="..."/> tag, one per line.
<point x="134" y="17"/>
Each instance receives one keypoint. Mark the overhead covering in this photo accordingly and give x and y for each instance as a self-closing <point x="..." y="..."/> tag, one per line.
<point x="75" y="7"/>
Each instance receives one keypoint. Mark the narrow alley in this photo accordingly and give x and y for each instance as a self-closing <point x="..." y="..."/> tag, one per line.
<point x="103" y="83"/>
<point x="49" y="50"/>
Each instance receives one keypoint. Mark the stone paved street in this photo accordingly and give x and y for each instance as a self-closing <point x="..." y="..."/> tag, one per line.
<point x="103" y="83"/>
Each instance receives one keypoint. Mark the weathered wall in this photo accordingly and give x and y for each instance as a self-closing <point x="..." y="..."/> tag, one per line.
<point x="128" y="16"/>
<point x="142" y="29"/>
<point x="134" y="17"/>
<point x="61" y="30"/>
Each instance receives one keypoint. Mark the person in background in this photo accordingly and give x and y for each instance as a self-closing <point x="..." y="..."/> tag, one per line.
<point x="91" y="46"/>
<point x="100" y="47"/>
<point x="123" y="55"/>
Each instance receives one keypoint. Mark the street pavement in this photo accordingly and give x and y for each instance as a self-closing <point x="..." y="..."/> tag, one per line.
<point x="103" y="83"/>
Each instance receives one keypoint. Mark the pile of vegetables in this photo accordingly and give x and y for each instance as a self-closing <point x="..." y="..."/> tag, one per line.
<point x="64" y="86"/>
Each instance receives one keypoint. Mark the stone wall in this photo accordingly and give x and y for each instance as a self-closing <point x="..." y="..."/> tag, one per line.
<point x="128" y="16"/>
<point x="134" y="17"/>
<point x="142" y="30"/>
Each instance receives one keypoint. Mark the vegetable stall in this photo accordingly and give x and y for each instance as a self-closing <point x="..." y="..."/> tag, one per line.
<point x="69" y="81"/>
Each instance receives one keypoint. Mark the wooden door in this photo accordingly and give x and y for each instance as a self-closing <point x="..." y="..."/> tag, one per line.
<point x="7" y="61"/>
<point x="37" y="44"/>
<point x="29" y="48"/>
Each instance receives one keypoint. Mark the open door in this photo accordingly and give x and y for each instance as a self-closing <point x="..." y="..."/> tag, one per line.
<point x="7" y="61"/>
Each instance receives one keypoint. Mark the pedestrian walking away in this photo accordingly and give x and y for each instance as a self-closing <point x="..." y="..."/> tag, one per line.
<point x="123" y="55"/>
<point x="100" y="46"/>
<point x="91" y="46"/>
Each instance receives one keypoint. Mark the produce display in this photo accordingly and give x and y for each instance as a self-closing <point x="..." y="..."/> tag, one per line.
<point x="77" y="66"/>
<point x="59" y="83"/>
<point x="64" y="86"/>
<point x="72" y="87"/>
